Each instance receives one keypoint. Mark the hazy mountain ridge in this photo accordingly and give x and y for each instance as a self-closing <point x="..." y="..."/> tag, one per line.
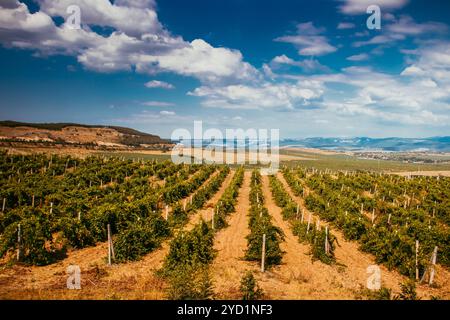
<point x="434" y="144"/>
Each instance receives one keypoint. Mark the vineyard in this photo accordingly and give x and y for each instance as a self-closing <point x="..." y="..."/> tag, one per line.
<point x="158" y="230"/>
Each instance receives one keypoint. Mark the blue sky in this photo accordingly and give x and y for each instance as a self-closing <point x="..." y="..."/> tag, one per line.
<point x="308" y="68"/>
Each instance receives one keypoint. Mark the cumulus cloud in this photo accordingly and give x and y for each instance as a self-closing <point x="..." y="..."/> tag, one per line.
<point x="137" y="42"/>
<point x="353" y="7"/>
<point x="345" y="25"/>
<point x="403" y="27"/>
<point x="157" y="104"/>
<point x="308" y="65"/>
<point x="132" y="17"/>
<point x="203" y="61"/>
<point x="167" y="113"/>
<point x="309" y="41"/>
<point x="358" y="57"/>
<point x="407" y="26"/>
<point x="419" y="95"/>
<point x="159" y="84"/>
<point x="266" y="95"/>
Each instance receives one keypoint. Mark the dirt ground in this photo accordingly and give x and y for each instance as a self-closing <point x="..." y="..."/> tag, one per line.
<point x="230" y="243"/>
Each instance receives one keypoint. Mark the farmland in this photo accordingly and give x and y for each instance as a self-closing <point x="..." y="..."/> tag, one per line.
<point x="179" y="231"/>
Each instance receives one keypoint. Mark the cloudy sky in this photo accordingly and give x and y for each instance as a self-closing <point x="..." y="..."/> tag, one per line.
<point x="308" y="68"/>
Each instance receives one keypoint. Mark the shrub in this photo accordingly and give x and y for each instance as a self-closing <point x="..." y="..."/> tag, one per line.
<point x="249" y="288"/>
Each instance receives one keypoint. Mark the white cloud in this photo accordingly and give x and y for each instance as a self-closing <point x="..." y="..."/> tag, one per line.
<point x="403" y="27"/>
<point x="353" y="7"/>
<point x="308" y="65"/>
<point x="133" y="20"/>
<point x="167" y="113"/>
<point x="264" y="96"/>
<point x="358" y="57"/>
<point x="407" y="26"/>
<point x="309" y="41"/>
<point x="159" y="84"/>
<point x="345" y="25"/>
<point x="138" y="42"/>
<point x="157" y="104"/>
<point x="203" y="61"/>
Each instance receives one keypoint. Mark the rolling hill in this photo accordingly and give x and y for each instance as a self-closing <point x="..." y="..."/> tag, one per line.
<point x="73" y="133"/>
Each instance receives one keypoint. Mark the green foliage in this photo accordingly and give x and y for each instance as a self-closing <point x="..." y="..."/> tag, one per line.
<point x="191" y="248"/>
<point x="115" y="191"/>
<point x="37" y="246"/>
<point x="75" y="232"/>
<point x="260" y="224"/>
<point x="140" y="238"/>
<point x="316" y="238"/>
<point x="190" y="283"/>
<point x="227" y="201"/>
<point x="404" y="210"/>
<point x="408" y="291"/>
<point x="249" y="287"/>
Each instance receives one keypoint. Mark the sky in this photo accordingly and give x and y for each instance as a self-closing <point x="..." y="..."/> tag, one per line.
<point x="307" y="68"/>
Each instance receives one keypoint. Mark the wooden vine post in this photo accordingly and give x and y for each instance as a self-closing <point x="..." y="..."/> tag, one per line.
<point x="309" y="223"/>
<point x="263" y="253"/>
<point x="167" y="212"/>
<point x="19" y="242"/>
<point x="4" y="205"/>
<point x="430" y="269"/>
<point x="327" y="245"/>
<point x="433" y="263"/>
<point x="111" y="255"/>
<point x="417" y="260"/>
<point x="212" y="218"/>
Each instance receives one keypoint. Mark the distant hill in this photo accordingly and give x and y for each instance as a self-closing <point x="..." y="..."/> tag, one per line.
<point x="435" y="144"/>
<point x="77" y="134"/>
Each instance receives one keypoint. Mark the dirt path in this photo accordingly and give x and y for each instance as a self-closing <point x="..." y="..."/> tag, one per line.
<point x="230" y="243"/>
<point x="132" y="280"/>
<point x="206" y="212"/>
<point x="355" y="262"/>
<point x="298" y="277"/>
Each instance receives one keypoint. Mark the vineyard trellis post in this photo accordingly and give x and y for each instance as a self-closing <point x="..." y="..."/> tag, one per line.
<point x="51" y="207"/>
<point x="4" y="205"/>
<point x="111" y="255"/>
<point x="167" y="212"/>
<point x="263" y="253"/>
<point x="430" y="269"/>
<point x="212" y="218"/>
<point x="417" y="260"/>
<point x="433" y="263"/>
<point x="327" y="245"/>
<point x="309" y="223"/>
<point x="19" y="242"/>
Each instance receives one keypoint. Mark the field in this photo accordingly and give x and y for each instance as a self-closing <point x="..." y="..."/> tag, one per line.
<point x="200" y="231"/>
